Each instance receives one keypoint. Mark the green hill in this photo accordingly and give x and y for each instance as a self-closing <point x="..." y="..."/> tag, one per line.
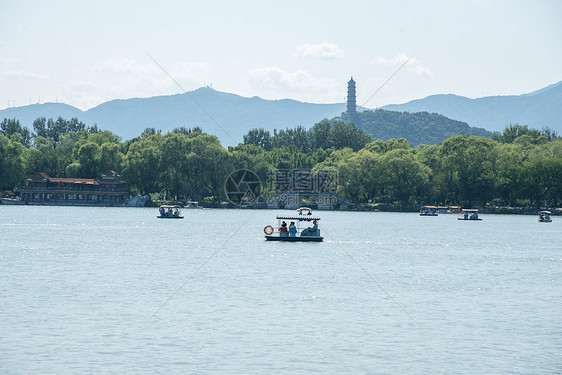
<point x="417" y="128"/>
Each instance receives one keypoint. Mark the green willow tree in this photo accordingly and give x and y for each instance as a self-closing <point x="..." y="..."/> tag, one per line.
<point x="404" y="176"/>
<point x="9" y="127"/>
<point x="142" y="164"/>
<point x="12" y="161"/>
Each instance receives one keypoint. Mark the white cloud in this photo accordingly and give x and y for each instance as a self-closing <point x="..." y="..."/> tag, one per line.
<point x="127" y="78"/>
<point x="181" y="71"/>
<point x="413" y="65"/>
<point x="81" y="94"/>
<point x="22" y="74"/>
<point x="81" y="85"/>
<point x="191" y="71"/>
<point x="322" y="51"/>
<point x="10" y="60"/>
<point x="399" y="59"/>
<point x="272" y="78"/>
<point x="121" y="66"/>
<point x="421" y="71"/>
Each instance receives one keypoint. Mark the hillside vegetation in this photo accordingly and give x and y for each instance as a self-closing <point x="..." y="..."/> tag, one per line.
<point x="416" y="128"/>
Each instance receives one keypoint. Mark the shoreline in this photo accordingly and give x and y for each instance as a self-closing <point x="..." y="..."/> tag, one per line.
<point x="359" y="208"/>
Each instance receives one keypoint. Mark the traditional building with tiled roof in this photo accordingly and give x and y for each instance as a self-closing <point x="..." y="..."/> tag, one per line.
<point x="42" y="189"/>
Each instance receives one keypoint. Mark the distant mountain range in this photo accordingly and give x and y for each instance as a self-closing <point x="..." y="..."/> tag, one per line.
<point x="230" y="116"/>
<point x="538" y="109"/>
<point x="227" y="116"/>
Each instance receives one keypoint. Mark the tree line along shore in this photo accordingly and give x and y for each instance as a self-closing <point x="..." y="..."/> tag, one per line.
<point x="519" y="167"/>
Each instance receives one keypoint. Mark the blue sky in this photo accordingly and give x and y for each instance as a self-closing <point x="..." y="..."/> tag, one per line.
<point x="84" y="53"/>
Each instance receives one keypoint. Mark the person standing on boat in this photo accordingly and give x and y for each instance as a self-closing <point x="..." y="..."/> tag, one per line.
<point x="292" y="229"/>
<point x="283" y="229"/>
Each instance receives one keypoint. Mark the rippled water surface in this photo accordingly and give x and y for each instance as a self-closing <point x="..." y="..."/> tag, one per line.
<point x="118" y="291"/>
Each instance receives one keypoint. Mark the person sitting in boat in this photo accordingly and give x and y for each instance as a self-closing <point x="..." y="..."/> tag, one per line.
<point x="283" y="230"/>
<point x="292" y="229"/>
<point x="162" y="211"/>
<point x="474" y="216"/>
<point x="176" y="212"/>
<point x="466" y="215"/>
<point x="310" y="231"/>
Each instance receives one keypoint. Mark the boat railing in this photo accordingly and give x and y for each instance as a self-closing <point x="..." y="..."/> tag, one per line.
<point x="310" y="233"/>
<point x="298" y="217"/>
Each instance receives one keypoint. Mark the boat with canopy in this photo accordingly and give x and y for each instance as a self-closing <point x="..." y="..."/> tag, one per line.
<point x="169" y="212"/>
<point x="469" y="214"/>
<point x="544" y="217"/>
<point x="300" y="227"/>
<point x="428" y="211"/>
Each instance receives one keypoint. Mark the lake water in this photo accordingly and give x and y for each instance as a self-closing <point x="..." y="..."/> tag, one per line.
<point x="118" y="291"/>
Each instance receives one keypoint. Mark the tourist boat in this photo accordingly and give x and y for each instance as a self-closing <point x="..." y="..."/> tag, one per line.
<point x="169" y="212"/>
<point x="11" y="201"/>
<point x="449" y="210"/>
<point x="469" y="214"/>
<point x="304" y="227"/>
<point x="428" y="211"/>
<point x="454" y="210"/>
<point x="544" y="217"/>
<point x="191" y="204"/>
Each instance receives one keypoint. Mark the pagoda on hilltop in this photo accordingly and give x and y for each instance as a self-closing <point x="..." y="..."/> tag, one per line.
<point x="351" y="101"/>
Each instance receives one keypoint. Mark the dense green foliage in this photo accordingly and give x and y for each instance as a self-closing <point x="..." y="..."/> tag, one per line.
<point x="323" y="135"/>
<point x="518" y="166"/>
<point x="9" y="127"/>
<point x="417" y="128"/>
<point x="512" y="132"/>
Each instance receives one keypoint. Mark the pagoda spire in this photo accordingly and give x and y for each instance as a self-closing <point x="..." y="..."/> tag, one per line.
<point x="351" y="99"/>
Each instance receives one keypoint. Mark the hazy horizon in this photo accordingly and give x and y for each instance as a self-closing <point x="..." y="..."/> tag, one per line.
<point x="87" y="53"/>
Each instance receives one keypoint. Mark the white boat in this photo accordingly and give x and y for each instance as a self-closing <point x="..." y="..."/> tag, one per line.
<point x="544" y="217"/>
<point x="300" y="227"/>
<point x="428" y="211"/>
<point x="169" y="212"/>
<point x="469" y="214"/>
<point x="453" y="210"/>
